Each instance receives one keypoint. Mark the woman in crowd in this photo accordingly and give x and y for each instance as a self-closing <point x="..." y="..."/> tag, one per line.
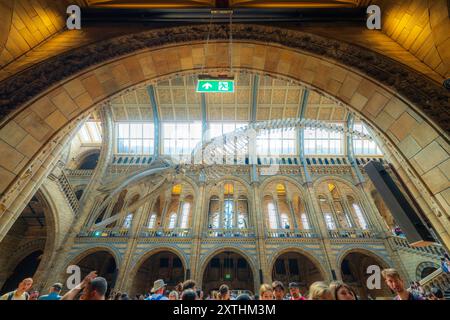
<point x="266" y="292"/>
<point x="320" y="291"/>
<point x="342" y="291"/>
<point x="224" y="292"/>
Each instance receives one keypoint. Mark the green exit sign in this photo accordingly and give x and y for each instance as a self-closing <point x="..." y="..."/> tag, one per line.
<point x="227" y="276"/>
<point x="215" y="85"/>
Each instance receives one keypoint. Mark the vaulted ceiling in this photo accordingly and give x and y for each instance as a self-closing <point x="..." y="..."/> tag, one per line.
<point x="177" y="100"/>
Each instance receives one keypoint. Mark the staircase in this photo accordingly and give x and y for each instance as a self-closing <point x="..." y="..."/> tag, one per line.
<point x="438" y="279"/>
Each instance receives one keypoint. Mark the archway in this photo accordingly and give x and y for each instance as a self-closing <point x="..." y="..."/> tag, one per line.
<point x="230" y="268"/>
<point x="296" y="267"/>
<point x="164" y="265"/>
<point x="34" y="231"/>
<point x="398" y="111"/>
<point x="354" y="272"/>
<point x="101" y="261"/>
<point x="25" y="269"/>
<point x="90" y="161"/>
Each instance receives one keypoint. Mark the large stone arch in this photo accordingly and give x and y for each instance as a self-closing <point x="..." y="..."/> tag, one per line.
<point x="408" y="117"/>
<point x="206" y="259"/>
<point x="317" y="263"/>
<point x="139" y="261"/>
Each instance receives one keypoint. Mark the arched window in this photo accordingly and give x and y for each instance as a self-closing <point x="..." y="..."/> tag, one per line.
<point x="228" y="213"/>
<point x="152" y="221"/>
<point x="172" y="221"/>
<point x="242" y="208"/>
<point x="185" y="214"/>
<point x="285" y="221"/>
<point x="128" y="220"/>
<point x="305" y="221"/>
<point x="327" y="213"/>
<point x="273" y="224"/>
<point x="358" y="212"/>
<point x="214" y="213"/>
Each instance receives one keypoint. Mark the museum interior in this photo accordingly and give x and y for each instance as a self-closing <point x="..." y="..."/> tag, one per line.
<point x="120" y="155"/>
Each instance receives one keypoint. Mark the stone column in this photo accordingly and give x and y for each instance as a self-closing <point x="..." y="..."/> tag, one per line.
<point x="293" y="217"/>
<point x="197" y="233"/>
<point x="258" y="222"/>
<point x="316" y="214"/>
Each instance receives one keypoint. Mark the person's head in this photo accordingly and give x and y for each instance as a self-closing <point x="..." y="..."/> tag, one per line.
<point x="393" y="280"/>
<point x="189" y="294"/>
<point x="294" y="289"/>
<point x="56" y="287"/>
<point x="124" y="296"/>
<point x="159" y="287"/>
<point x="189" y="284"/>
<point x="266" y="292"/>
<point x="342" y="291"/>
<point x="436" y="294"/>
<point x="278" y="290"/>
<point x="96" y="289"/>
<point x="243" y="296"/>
<point x="25" y="285"/>
<point x="34" y="295"/>
<point x="199" y="293"/>
<point x="215" y="295"/>
<point x="173" y="295"/>
<point x="224" y="292"/>
<point x="320" y="291"/>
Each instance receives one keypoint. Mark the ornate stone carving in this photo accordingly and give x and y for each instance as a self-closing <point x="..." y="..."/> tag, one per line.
<point x="424" y="93"/>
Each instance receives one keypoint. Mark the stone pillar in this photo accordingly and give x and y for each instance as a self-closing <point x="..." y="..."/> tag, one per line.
<point x="316" y="214"/>
<point x="197" y="233"/>
<point x="123" y="278"/>
<point x="258" y="222"/>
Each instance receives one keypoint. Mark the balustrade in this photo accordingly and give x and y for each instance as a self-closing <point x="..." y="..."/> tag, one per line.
<point x="230" y="233"/>
<point x="352" y="233"/>
<point x="291" y="233"/>
<point x="104" y="233"/>
<point x="165" y="233"/>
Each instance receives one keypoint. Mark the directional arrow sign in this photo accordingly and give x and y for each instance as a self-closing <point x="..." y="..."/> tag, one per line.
<point x="215" y="85"/>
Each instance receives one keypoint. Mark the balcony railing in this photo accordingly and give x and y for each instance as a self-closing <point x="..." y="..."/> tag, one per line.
<point x="438" y="278"/>
<point x="291" y="233"/>
<point x="352" y="233"/>
<point x="104" y="233"/>
<point x="434" y="249"/>
<point x="230" y="233"/>
<point x="165" y="233"/>
<point x="78" y="172"/>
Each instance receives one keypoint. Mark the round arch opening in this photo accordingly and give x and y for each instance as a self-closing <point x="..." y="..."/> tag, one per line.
<point x="296" y="267"/>
<point x="26" y="268"/>
<point x="164" y="265"/>
<point x="230" y="268"/>
<point x="354" y="272"/>
<point x="104" y="263"/>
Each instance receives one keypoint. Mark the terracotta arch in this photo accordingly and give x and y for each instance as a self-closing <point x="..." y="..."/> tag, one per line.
<point x="363" y="251"/>
<point x="326" y="275"/>
<point x="144" y="257"/>
<point x="396" y="113"/>
<point x="204" y="262"/>
<point x="89" y="251"/>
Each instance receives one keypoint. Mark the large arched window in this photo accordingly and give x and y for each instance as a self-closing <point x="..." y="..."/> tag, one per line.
<point x="327" y="213"/>
<point x="273" y="223"/>
<point x="128" y="220"/>
<point x="185" y="214"/>
<point x="228" y="206"/>
<point x="285" y="224"/>
<point x="152" y="221"/>
<point x="172" y="221"/>
<point x="214" y="212"/>
<point x="357" y="212"/>
<point x="242" y="208"/>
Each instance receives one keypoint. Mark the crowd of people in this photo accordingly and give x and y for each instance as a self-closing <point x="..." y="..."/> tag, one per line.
<point x="94" y="287"/>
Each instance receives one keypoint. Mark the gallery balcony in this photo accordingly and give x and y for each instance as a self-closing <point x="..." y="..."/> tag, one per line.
<point x="291" y="233"/>
<point x="230" y="233"/>
<point x="165" y="233"/>
<point x="352" y="233"/>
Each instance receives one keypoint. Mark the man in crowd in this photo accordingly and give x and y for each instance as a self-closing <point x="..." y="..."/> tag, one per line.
<point x="396" y="284"/>
<point x="21" y="293"/>
<point x="55" y="289"/>
<point x="93" y="287"/>
<point x="158" y="290"/>
<point x="294" y="290"/>
<point x="189" y="284"/>
<point x="278" y="290"/>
